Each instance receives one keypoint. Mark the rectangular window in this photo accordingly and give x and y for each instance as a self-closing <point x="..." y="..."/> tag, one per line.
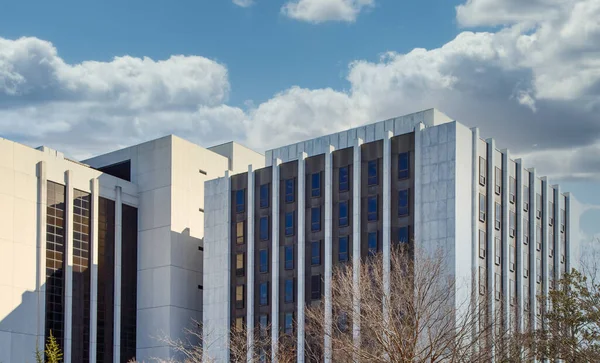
<point x="525" y="231"/>
<point x="550" y="243"/>
<point x="482" y="171"/>
<point x="343" y="249"/>
<point x="315" y="219"/>
<point x="289" y="224"/>
<point x="239" y="233"/>
<point x="498" y="249"/>
<point x="289" y="257"/>
<point x="264" y="228"/>
<point x="538" y="206"/>
<point x="482" y="207"/>
<point x="315" y="287"/>
<point x="263" y="261"/>
<point x="372" y="173"/>
<point x="404" y="166"/>
<point x="263" y="323"/>
<point x="563" y="220"/>
<point x="372" y="243"/>
<point x="512" y="191"/>
<point x="239" y="297"/>
<point x="239" y="324"/>
<point x="263" y="294"/>
<point x="538" y="237"/>
<point x="511" y="257"/>
<point x="289" y="191"/>
<point x="513" y="293"/>
<point x="288" y="323"/>
<point x="498" y="180"/>
<point x="315" y="258"/>
<point x="315" y="185"/>
<point x="498" y="217"/>
<point x="563" y="247"/>
<point x="482" y="280"/>
<point x="239" y="265"/>
<point x="344" y="184"/>
<point x="240" y="201"/>
<point x="288" y="291"/>
<point x="372" y="208"/>
<point x="538" y="270"/>
<point x="403" y="203"/>
<point x="525" y="198"/>
<point x="525" y="264"/>
<point x="482" y="243"/>
<point x="497" y="286"/>
<point x="550" y="213"/>
<point x="264" y="196"/>
<point x="512" y="224"/>
<point x="343" y="220"/>
<point x="403" y="234"/>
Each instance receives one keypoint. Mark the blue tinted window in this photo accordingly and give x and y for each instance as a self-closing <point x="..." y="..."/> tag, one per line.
<point x="240" y="201"/>
<point x="289" y="224"/>
<point x="372" y="243"/>
<point x="315" y="253"/>
<point x="316" y="185"/>
<point x="289" y="291"/>
<point x="343" y="249"/>
<point x="372" y="208"/>
<point x="315" y="287"/>
<point x="289" y="257"/>
<point x="288" y="323"/>
<point x="403" y="202"/>
<point x="404" y="166"/>
<point x="344" y="185"/>
<point x="315" y="219"/>
<point x="263" y="263"/>
<point x="263" y="293"/>
<point x="264" y="228"/>
<point x="343" y="214"/>
<point x="263" y="321"/>
<point x="289" y="191"/>
<point x="264" y="196"/>
<point x="403" y="235"/>
<point x="372" y="168"/>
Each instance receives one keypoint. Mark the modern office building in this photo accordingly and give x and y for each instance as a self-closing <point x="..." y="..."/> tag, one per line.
<point x="273" y="234"/>
<point x="105" y="253"/>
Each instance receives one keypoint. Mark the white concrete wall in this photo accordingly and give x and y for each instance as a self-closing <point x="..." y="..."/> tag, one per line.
<point x="22" y="248"/>
<point x="239" y="156"/>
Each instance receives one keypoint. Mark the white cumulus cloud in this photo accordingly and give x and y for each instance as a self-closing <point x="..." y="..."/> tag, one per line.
<point x="244" y="3"/>
<point x="319" y="11"/>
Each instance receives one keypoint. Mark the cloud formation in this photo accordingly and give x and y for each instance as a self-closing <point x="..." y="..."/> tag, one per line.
<point x="319" y="11"/>
<point x="534" y="85"/>
<point x="244" y="3"/>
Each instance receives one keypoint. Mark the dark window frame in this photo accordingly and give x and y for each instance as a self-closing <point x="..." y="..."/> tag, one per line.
<point x="315" y="219"/>
<point x="372" y="214"/>
<point x="372" y="172"/>
<point x="288" y="264"/>
<point x="263" y="267"/>
<point x="315" y="287"/>
<point x="404" y="170"/>
<point x="264" y="196"/>
<point x="343" y="241"/>
<point x="344" y="182"/>
<point x="315" y="190"/>
<point x="263" y="228"/>
<point x="403" y="202"/>
<point x="315" y="260"/>
<point x="343" y="219"/>
<point x="289" y="229"/>
<point x="290" y="186"/>
<point x="240" y="201"/>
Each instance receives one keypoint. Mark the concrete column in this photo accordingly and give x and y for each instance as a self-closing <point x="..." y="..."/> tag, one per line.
<point x="418" y="189"/>
<point x="301" y="252"/>
<point x="275" y="260"/>
<point x="356" y="240"/>
<point x="545" y="216"/>
<point x="41" y="253"/>
<point x="558" y="205"/>
<point x="118" y="264"/>
<point x="250" y="269"/>
<point x="328" y="251"/>
<point x="533" y="190"/>
<point x="95" y="187"/>
<point x="475" y="229"/>
<point x="387" y="223"/>
<point x="569" y="256"/>
<point x="491" y="216"/>
<point x="505" y="236"/>
<point x="519" y="245"/>
<point x="69" y="270"/>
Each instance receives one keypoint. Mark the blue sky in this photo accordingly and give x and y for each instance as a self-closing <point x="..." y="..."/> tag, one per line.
<point x="86" y="78"/>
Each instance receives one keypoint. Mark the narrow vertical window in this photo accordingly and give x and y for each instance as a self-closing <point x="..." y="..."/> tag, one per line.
<point x="289" y="191"/>
<point x="512" y="258"/>
<point x="315" y="219"/>
<point x="289" y="291"/>
<point x="316" y="185"/>
<point x="538" y="270"/>
<point x="343" y="220"/>
<point x="315" y="287"/>
<point x="525" y="231"/>
<point x="538" y="237"/>
<point x="498" y="249"/>
<point x="512" y="191"/>
<point x="538" y="206"/>
<point x="403" y="234"/>
<point x="263" y="322"/>
<point x="498" y="179"/>
<point x="482" y="171"/>
<point x="288" y="323"/>
<point x="344" y="185"/>
<point x="263" y="298"/>
<point x="315" y="259"/>
<point x="497" y="286"/>
<point x="550" y="213"/>
<point x="482" y="280"/>
<point x="239" y="297"/>
<point x="239" y="233"/>
<point x="263" y="266"/>
<point x="563" y="220"/>
<point x="550" y="243"/>
<point x="482" y="207"/>
<point x="264" y="228"/>
<point x="373" y="178"/>
<point x="403" y="203"/>
<point x="526" y="198"/>
<point x="512" y="220"/>
<point x="239" y="265"/>
<point x="513" y="293"/>
<point x="264" y="196"/>
<point x="239" y="324"/>
<point x="404" y="166"/>
<point x="498" y="217"/>
<point x="372" y="208"/>
<point x="289" y="257"/>
<point x="289" y="224"/>
<point x="482" y="243"/>
<point x="525" y="264"/>
<point x="240" y="201"/>
<point x="372" y="243"/>
<point x="343" y="249"/>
